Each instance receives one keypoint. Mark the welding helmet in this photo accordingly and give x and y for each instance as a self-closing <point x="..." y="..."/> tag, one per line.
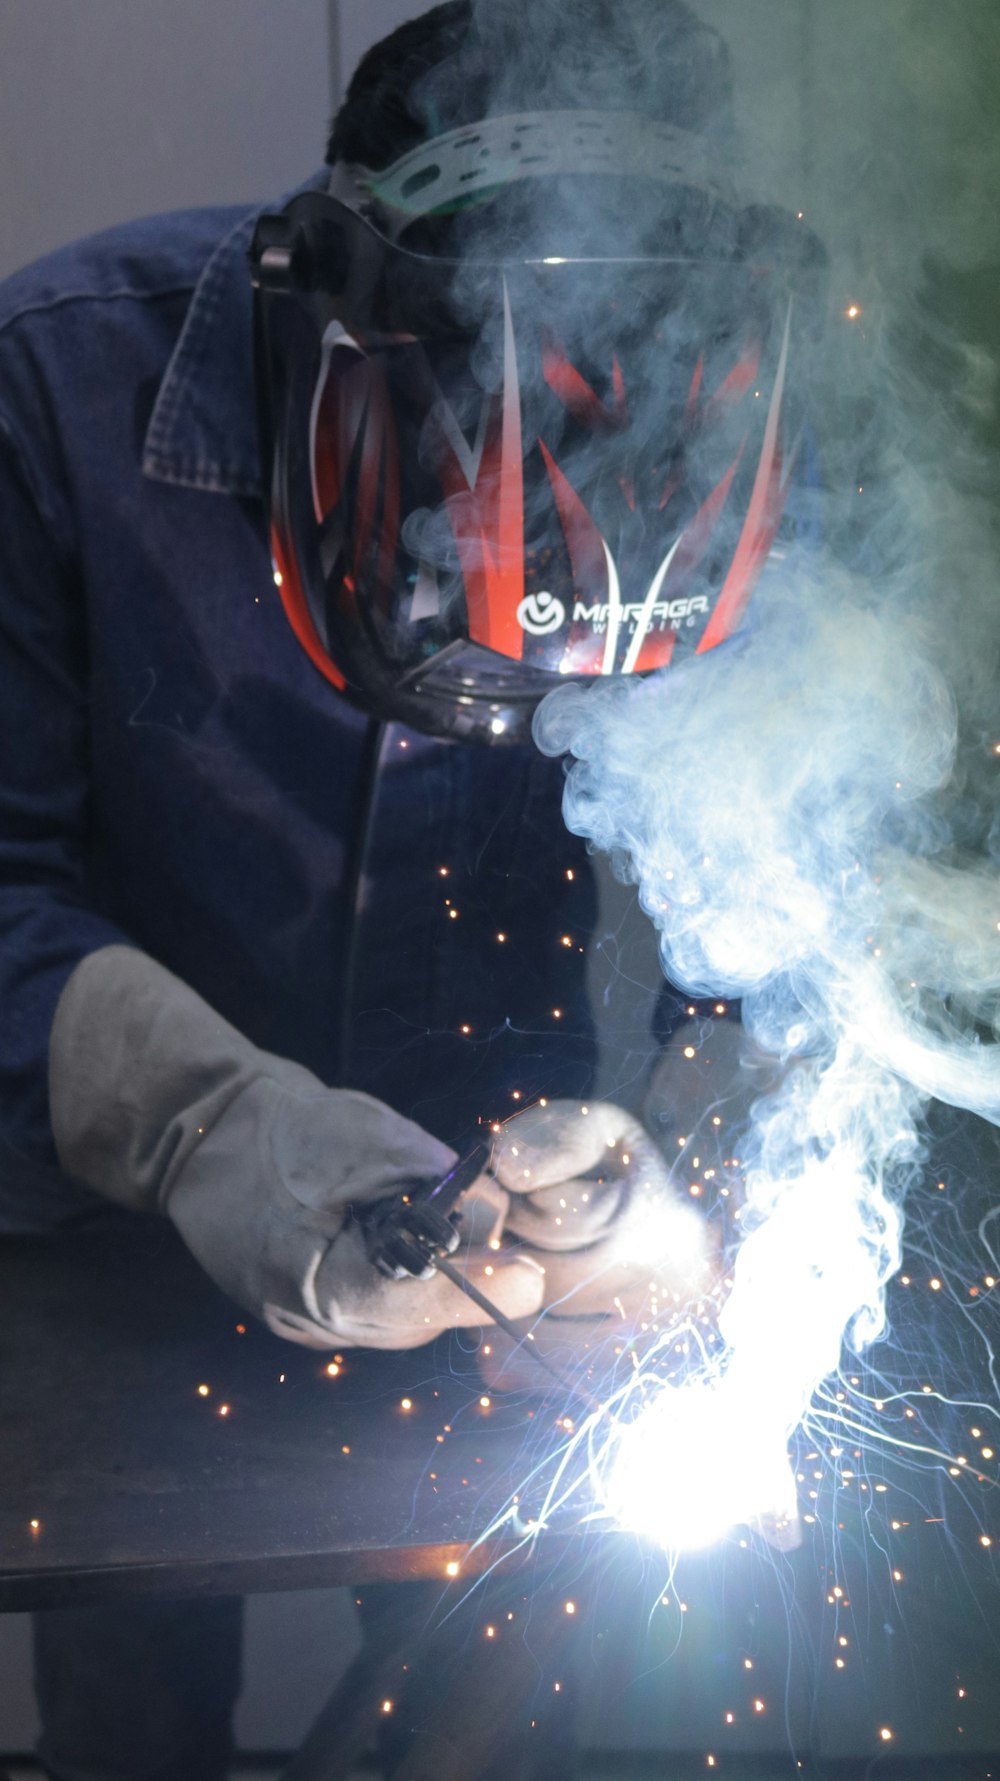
<point x="510" y="441"/>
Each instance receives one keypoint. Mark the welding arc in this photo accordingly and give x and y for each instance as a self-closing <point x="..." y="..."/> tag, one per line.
<point x="517" y="1336"/>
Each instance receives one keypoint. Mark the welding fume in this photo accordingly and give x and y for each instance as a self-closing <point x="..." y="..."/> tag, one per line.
<point x="387" y="551"/>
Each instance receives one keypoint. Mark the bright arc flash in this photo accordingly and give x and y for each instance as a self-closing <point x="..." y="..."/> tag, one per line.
<point x="696" y="1463"/>
<point x="710" y="1452"/>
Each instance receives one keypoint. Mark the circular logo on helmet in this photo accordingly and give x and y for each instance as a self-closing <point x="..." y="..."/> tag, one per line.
<point x="541" y="614"/>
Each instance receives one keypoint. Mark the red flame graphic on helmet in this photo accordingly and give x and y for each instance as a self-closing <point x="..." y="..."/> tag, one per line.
<point x="354" y="458"/>
<point x="484" y="488"/>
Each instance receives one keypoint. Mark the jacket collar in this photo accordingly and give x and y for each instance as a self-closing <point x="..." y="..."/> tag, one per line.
<point x="203" y="432"/>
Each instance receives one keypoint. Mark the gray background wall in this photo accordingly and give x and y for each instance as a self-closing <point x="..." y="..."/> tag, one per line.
<point x="111" y="109"/>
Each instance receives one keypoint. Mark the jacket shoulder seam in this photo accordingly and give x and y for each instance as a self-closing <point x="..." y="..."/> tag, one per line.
<point x="47" y="304"/>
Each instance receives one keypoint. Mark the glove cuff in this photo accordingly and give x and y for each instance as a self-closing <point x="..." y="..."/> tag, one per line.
<point x="140" y="1069"/>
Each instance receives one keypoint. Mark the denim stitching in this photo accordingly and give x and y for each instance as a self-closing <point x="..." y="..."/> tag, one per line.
<point x="160" y="459"/>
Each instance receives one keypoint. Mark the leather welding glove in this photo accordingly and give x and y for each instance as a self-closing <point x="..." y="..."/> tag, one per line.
<point x="591" y="1198"/>
<point x="161" y="1105"/>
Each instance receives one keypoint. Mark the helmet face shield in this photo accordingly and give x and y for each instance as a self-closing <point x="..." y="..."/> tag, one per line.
<point x="489" y="475"/>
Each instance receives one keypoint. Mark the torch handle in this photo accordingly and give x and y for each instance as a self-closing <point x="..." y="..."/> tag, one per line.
<point x="405" y="1232"/>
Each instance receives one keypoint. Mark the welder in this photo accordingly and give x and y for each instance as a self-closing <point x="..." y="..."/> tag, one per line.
<point x="301" y="514"/>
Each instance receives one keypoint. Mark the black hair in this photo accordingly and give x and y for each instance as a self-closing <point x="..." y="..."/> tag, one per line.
<point x="455" y="64"/>
<point x="381" y="116"/>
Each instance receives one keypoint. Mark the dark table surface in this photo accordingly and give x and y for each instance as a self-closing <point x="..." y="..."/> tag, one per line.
<point x="139" y="1484"/>
<point x="282" y="1476"/>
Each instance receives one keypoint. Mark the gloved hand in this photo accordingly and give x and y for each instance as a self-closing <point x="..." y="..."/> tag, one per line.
<point x="591" y="1198"/>
<point x="161" y="1105"/>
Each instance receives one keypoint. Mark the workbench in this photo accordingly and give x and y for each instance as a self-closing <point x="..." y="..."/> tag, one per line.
<point x="155" y="1441"/>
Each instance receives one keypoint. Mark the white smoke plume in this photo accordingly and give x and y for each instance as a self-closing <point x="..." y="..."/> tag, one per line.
<point x="812" y="811"/>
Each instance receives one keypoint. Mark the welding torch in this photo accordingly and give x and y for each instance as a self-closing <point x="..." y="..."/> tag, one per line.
<point x="413" y="1234"/>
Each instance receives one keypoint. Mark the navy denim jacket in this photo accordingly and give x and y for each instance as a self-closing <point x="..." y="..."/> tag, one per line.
<point x="173" y="771"/>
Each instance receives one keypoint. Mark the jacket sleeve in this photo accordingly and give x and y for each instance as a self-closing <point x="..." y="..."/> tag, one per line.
<point x="47" y="924"/>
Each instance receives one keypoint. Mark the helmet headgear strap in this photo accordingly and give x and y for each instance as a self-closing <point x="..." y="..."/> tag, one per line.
<point x="451" y="172"/>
